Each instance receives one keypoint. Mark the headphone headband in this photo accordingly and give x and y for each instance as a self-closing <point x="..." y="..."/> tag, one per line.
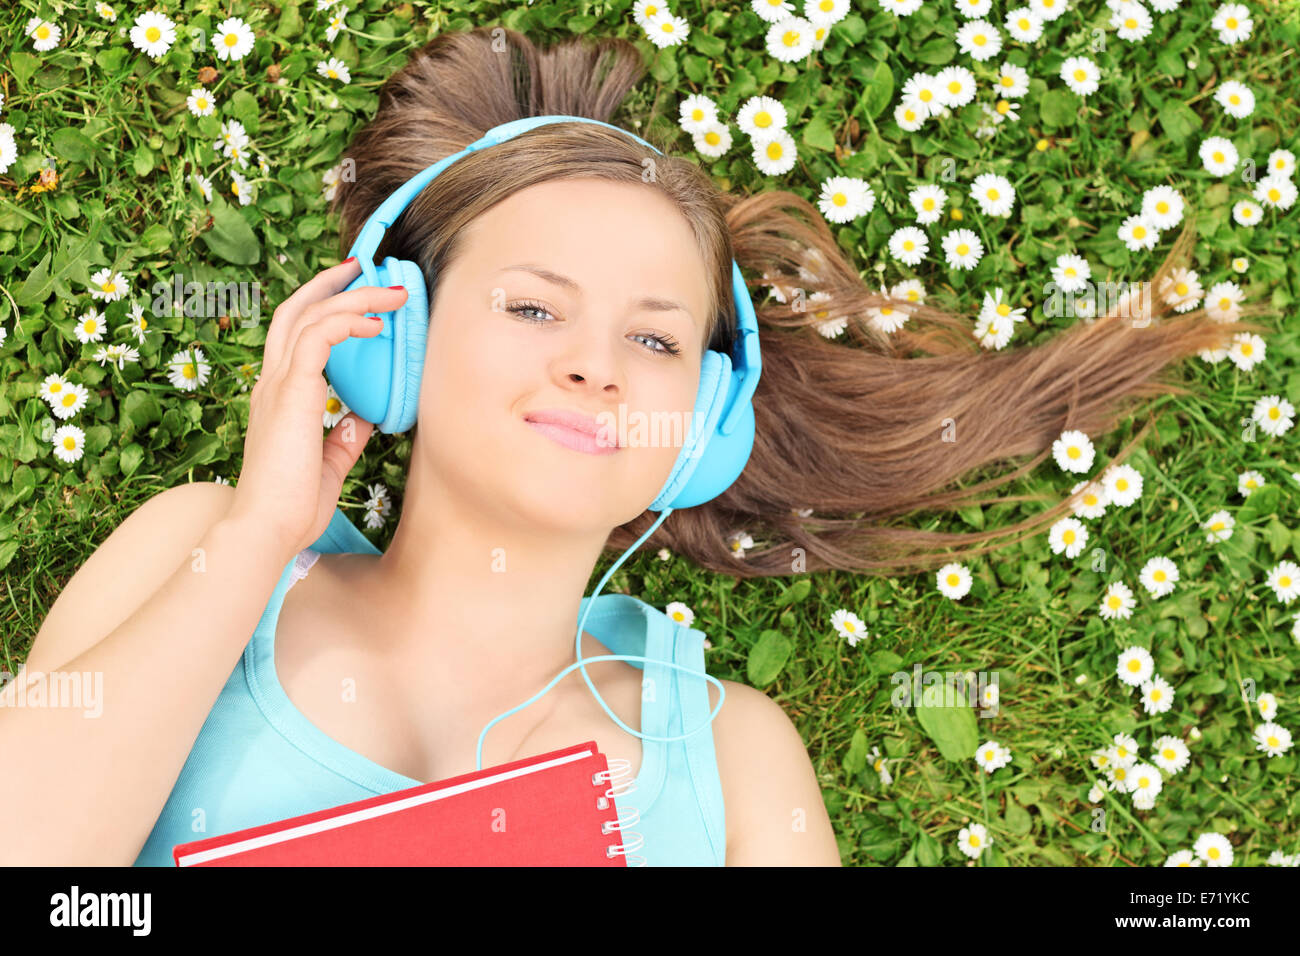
<point x="746" y="360"/>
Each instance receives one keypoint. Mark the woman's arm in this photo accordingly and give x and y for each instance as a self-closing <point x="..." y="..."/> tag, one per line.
<point x="774" y="808"/>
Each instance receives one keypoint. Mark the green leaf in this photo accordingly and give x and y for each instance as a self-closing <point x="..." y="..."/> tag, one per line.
<point x="947" y="718"/>
<point x="130" y="459"/>
<point x="879" y="92"/>
<point x="1018" y="820"/>
<point x="37" y="285"/>
<point x="309" y="227"/>
<point x="231" y="237"/>
<point x="794" y="593"/>
<point x="937" y="51"/>
<point x="856" y="759"/>
<point x="71" y="143"/>
<point x="817" y="134"/>
<point x="929" y="851"/>
<point x="767" y="658"/>
<point x="24" y="66"/>
<point x="1058" y="108"/>
<point x="141" y="409"/>
<point x="156" y="238"/>
<point x="142" y="160"/>
<point x="886" y="662"/>
<point x="973" y="515"/>
<point x="1260" y="503"/>
<point x="1278" y="536"/>
<point x="1178" y="119"/>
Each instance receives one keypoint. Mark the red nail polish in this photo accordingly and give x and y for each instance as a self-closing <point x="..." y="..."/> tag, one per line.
<point x="401" y="288"/>
<point x="349" y="259"/>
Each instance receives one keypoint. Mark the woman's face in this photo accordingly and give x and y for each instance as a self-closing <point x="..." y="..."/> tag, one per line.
<point x="596" y="349"/>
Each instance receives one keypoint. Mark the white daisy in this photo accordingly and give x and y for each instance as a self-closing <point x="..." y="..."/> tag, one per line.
<point x="68" y="441"/>
<point x="1274" y="414"/>
<point x="153" y="33"/>
<point x="1092" y="503"/>
<point x="761" y="116"/>
<point x="680" y="613"/>
<point x="334" y="69"/>
<point x="956" y="86"/>
<point x="1214" y="849"/>
<point x="738" y="543"/>
<point x="1163" y="206"/>
<point x="928" y="201"/>
<point x="995" y="194"/>
<point x="849" y="626"/>
<point x="1071" y="272"/>
<point x="878" y="765"/>
<point x="1276" y="191"/>
<point x="1157" y="695"/>
<point x="1170" y="754"/>
<point x="1236" y="99"/>
<point x="1233" y="23"/>
<point x="108" y="285"/>
<point x="1281" y="162"/>
<point x="200" y="102"/>
<point x="1135" y="667"/>
<point x="1138" y="233"/>
<point x="90" y="326"/>
<point x="886" y="317"/>
<point x="1158" y="576"/>
<point x="188" y="369"/>
<point x="979" y="39"/>
<point x="1024" y="25"/>
<point x="1118" y="601"/>
<point x="1240" y="264"/>
<point x="1081" y="75"/>
<point x="335" y="408"/>
<point x="1247" y="350"/>
<point x="1273" y="739"/>
<point x="775" y="155"/>
<point x="910" y="115"/>
<point x="70" y="400"/>
<point x="954" y="581"/>
<point x="1074" y="451"/>
<point x="666" y="30"/>
<point x="973" y="9"/>
<point x="1182" y="858"/>
<point x="791" y="40"/>
<point x="1145" y="780"/>
<point x="845" y="198"/>
<point x="1131" y="21"/>
<point x="712" y="142"/>
<point x="1219" y="525"/>
<point x="962" y="249"/>
<point x="992" y="331"/>
<point x="909" y="245"/>
<point x="1247" y="212"/>
<point x="1068" y="535"/>
<point x="972" y="840"/>
<point x="45" y="35"/>
<point x="696" y="113"/>
<point x="1218" y="155"/>
<point x="1181" y="289"/>
<point x="1012" y="80"/>
<point x="923" y="88"/>
<point x="1284" y="579"/>
<point x="1266" y="704"/>
<point x="336" y="24"/>
<point x="233" y="39"/>
<point x="991" y="756"/>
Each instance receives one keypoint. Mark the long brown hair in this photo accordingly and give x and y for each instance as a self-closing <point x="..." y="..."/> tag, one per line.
<point x="851" y="429"/>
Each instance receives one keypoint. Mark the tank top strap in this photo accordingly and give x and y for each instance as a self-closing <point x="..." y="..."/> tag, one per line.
<point x="687" y="649"/>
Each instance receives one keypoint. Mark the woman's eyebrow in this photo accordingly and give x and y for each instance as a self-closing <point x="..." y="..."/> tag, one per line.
<point x="652" y="303"/>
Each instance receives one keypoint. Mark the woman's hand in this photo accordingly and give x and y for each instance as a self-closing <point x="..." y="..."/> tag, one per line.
<point x="289" y="484"/>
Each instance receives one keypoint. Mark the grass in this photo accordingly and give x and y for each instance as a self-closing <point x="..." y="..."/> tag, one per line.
<point x="125" y="147"/>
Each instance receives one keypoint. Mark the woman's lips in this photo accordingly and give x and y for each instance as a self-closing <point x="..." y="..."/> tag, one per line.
<point x="572" y="438"/>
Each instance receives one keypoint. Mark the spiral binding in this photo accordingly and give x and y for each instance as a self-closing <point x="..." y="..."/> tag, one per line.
<point x="619" y="768"/>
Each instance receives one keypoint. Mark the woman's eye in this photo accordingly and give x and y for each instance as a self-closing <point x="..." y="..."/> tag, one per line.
<point x="666" y="344"/>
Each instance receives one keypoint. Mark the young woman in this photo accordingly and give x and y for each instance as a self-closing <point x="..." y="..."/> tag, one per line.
<point x="368" y="671"/>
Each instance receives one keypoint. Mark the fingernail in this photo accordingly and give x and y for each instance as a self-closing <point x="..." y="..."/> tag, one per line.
<point x="348" y="259"/>
<point x="377" y="318"/>
<point x="398" y="287"/>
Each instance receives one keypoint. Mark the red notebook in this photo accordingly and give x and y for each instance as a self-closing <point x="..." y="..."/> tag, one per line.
<point x="555" y="809"/>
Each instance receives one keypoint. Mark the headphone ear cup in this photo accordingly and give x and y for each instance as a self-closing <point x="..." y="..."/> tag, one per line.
<point x="715" y="378"/>
<point x="410" y="338"/>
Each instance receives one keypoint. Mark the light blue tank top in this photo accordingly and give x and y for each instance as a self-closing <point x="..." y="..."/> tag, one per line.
<point x="258" y="759"/>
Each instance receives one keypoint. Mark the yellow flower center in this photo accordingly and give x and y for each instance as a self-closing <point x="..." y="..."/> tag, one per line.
<point x="1213" y="852"/>
<point x="1121" y="484"/>
<point x="963" y="249"/>
<point x="1218" y="156"/>
<point x="790" y="38"/>
<point x="42" y="31"/>
<point x="1130" y="23"/>
<point x="1114" y="603"/>
<point x="1080" y="75"/>
<point x="926" y="95"/>
<point x="1274" y="194"/>
<point x="840" y="199"/>
<point x="1231" y="23"/>
<point x="1068" y="537"/>
<point x="1284" y="581"/>
<point x="1159" y="575"/>
<point x="189" y="371"/>
<point x="954" y="87"/>
<point x="1217" y="526"/>
<point x="1168" y="753"/>
<point x="231" y="39"/>
<point x="1023" y="23"/>
<point x="1162" y="206"/>
<point x="332" y="405"/>
<point x="1234" y="99"/>
<point x="1139" y="232"/>
<point x="1181" y="288"/>
<point x="908" y="244"/>
<point x="1272" y="741"/>
<point x="1274" y="413"/>
<point x="69" y="443"/>
<point x="69" y="400"/>
<point x="1007" y="80"/>
<point x="928" y="203"/>
<point x="774" y="150"/>
<point x="953" y="580"/>
<point x="152" y="34"/>
<point x="1134" y="666"/>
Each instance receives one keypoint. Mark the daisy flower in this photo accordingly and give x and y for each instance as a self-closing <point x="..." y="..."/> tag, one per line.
<point x="994" y="305"/>
<point x="1163" y="207"/>
<point x="1273" y="739"/>
<point x="962" y="249"/>
<point x="1223" y="300"/>
<point x="954" y="581"/>
<point x="1246" y="212"/>
<point x="336" y="24"/>
<point x="696" y="113"/>
<point x="1247" y="350"/>
<point x="68" y="441"/>
<point x="90" y="326"/>
<point x="1118" y="601"/>
<point x="1240" y="264"/>
<point x="928" y="201"/>
<point x="240" y="188"/>
<point x="1170" y="754"/>
<point x="53" y="387"/>
<point x="1249" y="481"/>
<point x="139" y="325"/>
<point x="234" y="39"/>
<point x="1135" y="667"/>
<point x="1024" y="25"/>
<point x="1158" y="576"/>
<point x="909" y="290"/>
<point x="992" y="331"/>
<point x="923" y="88"/>
<point x="1068" y="535"/>
<point x="188" y="370"/>
<point x="153" y="34"/>
<point x="334" y="69"/>
<point x="1274" y="414"/>
<point x="1103" y="758"/>
<point x="1182" y="858"/>
<point x="205" y="186"/>
<point x="1012" y="80"/>
<point x="878" y="765"/>
<point x="1081" y="75"/>
<point x="995" y="194"/>
<point x="972" y="840"/>
<point x="973" y="9"/>
<point x="665" y="30"/>
<point x="1138" y="233"/>
<point x="1284" y="579"/>
<point x="118" y="354"/>
<point x="1097" y="793"/>
<point x="885" y="317"/>
<point x="845" y="198"/>
<point x="680" y="613"/>
<point x="1157" y="695"/>
<point x="849" y="626"/>
<point x="1266" y="704"/>
<point x="108" y="285"/>
<point x="335" y="408"/>
<point x="200" y="102"/>
<point x="45" y="35"/>
<point x="991" y="756"/>
<point x="979" y="39"/>
<point x="791" y="40"/>
<point x="1145" y="780"/>
<point x="1181" y="289"/>
<point x="956" y="86"/>
<point x="909" y="245"/>
<point x="378" y="506"/>
<point x="910" y="115"/>
<point x="739" y="543"/>
<point x="1219" y="525"/>
<point x="1236" y="99"/>
<point x="1281" y="162"/>
<point x="714" y="141"/>
<point x="1124" y="753"/>
<point x="1131" y="22"/>
<point x="1092" y="503"/>
<point x="1071" y="273"/>
<point x="1276" y="191"/>
<point x="990" y="697"/>
<point x="70" y="400"/>
<point x="1074" y="451"/>
<point x="1123" y="485"/>
<point x="1218" y="155"/>
<point x="1214" y="849"/>
<point x="1119" y="777"/>
<point x="106" y="12"/>
<point x="1232" y="21"/>
<point x="775" y="155"/>
<point x="761" y="116"/>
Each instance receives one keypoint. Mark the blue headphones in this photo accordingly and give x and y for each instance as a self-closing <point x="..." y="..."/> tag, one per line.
<point x="379" y="376"/>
